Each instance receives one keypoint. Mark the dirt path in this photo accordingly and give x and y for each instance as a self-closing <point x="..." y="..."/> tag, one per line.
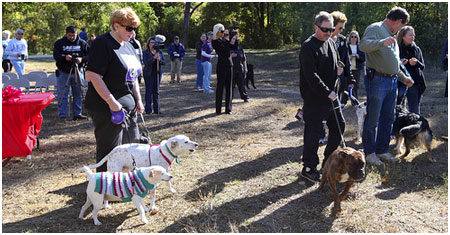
<point x="243" y="178"/>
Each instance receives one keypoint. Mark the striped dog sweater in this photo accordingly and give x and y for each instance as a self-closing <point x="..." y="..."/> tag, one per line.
<point x="120" y="184"/>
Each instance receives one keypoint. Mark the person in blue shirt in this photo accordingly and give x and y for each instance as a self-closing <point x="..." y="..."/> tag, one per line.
<point x="83" y="34"/>
<point x="176" y="52"/>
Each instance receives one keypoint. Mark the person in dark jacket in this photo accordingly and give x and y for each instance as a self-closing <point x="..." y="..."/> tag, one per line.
<point x="70" y="53"/>
<point x="176" y="52"/>
<point x="319" y="72"/>
<point x="222" y="46"/>
<point x="347" y="80"/>
<point x="198" y="61"/>
<point x="239" y="69"/>
<point x="411" y="56"/>
<point x="152" y="76"/>
<point x="357" y="60"/>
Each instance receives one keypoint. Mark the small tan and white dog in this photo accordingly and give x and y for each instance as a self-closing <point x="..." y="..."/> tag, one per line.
<point x="121" y="158"/>
<point x="120" y="186"/>
<point x="361" y="112"/>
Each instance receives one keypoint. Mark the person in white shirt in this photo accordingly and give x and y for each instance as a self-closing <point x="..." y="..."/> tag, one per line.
<point x="17" y="50"/>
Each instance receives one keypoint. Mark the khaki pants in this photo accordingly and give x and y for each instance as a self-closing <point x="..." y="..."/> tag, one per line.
<point x="175" y="68"/>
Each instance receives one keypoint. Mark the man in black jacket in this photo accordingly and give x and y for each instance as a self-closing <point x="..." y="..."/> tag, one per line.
<point x="70" y="53"/>
<point x="319" y="70"/>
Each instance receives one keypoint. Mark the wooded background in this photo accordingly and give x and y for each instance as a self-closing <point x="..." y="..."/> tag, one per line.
<point x="263" y="25"/>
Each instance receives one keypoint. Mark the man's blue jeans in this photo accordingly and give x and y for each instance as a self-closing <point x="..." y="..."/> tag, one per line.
<point x="200" y="73"/>
<point x="381" y="97"/>
<point x="207" y="69"/>
<point x="76" y="93"/>
<point x="19" y="66"/>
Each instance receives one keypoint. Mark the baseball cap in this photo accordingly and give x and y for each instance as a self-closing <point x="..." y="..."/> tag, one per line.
<point x="176" y="38"/>
<point x="19" y="31"/>
<point x="210" y="33"/>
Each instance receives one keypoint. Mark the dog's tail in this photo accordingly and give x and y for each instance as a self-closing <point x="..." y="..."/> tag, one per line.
<point x="95" y="165"/>
<point x="88" y="171"/>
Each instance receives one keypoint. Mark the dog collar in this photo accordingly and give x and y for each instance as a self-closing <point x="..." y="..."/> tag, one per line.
<point x="173" y="155"/>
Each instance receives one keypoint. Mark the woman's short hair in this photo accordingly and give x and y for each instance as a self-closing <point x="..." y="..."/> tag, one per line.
<point x="350" y="35"/>
<point x="402" y="32"/>
<point x="323" y="16"/>
<point x="216" y="29"/>
<point x="6" y="34"/>
<point x="125" y="16"/>
<point x="338" y="17"/>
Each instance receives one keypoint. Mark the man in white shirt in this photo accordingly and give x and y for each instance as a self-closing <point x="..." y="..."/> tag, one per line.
<point x="17" y="50"/>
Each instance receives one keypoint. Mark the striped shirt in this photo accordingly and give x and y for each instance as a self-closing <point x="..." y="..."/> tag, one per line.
<point x="120" y="184"/>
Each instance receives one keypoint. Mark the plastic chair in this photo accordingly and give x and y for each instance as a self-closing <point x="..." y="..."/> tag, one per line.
<point x="32" y="79"/>
<point x="22" y="84"/>
<point x="48" y="84"/>
<point x="12" y="75"/>
<point x="41" y="74"/>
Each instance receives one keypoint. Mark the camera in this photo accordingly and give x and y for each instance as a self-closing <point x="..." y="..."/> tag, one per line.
<point x="159" y="42"/>
<point x="75" y="56"/>
<point x="232" y="29"/>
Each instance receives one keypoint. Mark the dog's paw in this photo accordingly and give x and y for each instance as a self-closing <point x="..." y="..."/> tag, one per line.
<point x="173" y="190"/>
<point x="107" y="207"/>
<point x="145" y="220"/>
<point x="97" y="223"/>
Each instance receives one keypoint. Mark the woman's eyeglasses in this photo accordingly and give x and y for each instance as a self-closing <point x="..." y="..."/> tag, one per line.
<point x="129" y="28"/>
<point x="326" y="30"/>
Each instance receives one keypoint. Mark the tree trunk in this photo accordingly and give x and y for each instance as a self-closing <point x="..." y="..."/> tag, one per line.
<point x="187" y="18"/>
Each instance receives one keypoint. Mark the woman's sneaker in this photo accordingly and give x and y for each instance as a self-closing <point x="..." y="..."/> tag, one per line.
<point x="310" y="174"/>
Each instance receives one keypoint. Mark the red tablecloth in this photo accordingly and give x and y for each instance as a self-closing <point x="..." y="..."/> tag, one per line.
<point x="21" y="123"/>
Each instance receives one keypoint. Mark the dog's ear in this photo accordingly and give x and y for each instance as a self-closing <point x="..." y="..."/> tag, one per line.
<point x="173" y="144"/>
<point x="151" y="174"/>
<point x="342" y="154"/>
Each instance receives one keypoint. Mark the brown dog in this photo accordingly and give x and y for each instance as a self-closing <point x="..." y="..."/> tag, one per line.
<point x="343" y="165"/>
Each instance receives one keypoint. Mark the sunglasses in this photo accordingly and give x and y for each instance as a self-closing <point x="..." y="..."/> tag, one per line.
<point x="326" y="30"/>
<point x="129" y="28"/>
<point x="353" y="37"/>
<point x="222" y="31"/>
<point x="225" y="34"/>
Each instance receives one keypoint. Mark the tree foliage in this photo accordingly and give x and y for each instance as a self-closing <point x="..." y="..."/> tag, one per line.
<point x="266" y="25"/>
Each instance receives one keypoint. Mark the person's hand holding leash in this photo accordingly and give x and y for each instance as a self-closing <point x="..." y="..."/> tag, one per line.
<point x="332" y="96"/>
<point x="118" y="117"/>
<point x="408" y="82"/>
<point x="140" y="107"/>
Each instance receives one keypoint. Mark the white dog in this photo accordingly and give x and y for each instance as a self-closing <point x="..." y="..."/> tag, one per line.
<point x="361" y="112"/>
<point x="117" y="186"/>
<point x="121" y="158"/>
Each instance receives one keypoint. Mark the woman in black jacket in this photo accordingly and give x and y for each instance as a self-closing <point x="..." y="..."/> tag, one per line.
<point x="357" y="60"/>
<point x="411" y="57"/>
<point x="222" y="46"/>
<point x="152" y="76"/>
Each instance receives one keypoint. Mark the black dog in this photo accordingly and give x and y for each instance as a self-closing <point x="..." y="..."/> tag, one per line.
<point x="250" y="76"/>
<point x="411" y="128"/>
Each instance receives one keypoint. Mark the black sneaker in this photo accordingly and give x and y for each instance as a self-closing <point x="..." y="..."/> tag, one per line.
<point x="310" y="174"/>
<point x="79" y="117"/>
